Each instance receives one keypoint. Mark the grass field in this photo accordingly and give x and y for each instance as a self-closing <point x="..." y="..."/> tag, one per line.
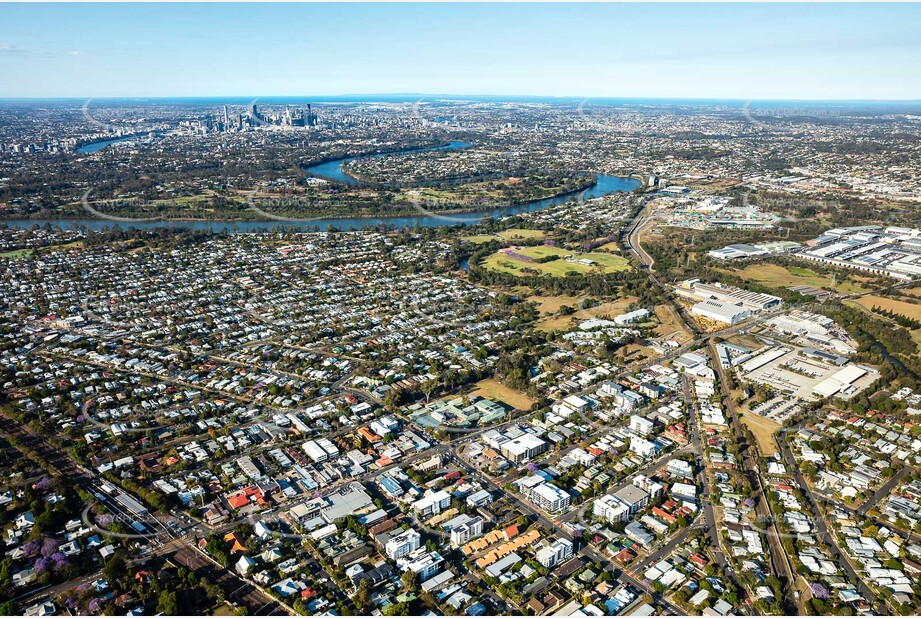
<point x="552" y="304"/>
<point x="907" y="309"/>
<point x="491" y="389"/>
<point x="16" y="254"/>
<point x="522" y="234"/>
<point x="773" y="275"/>
<point x="604" y="262"/>
<point x="479" y="239"/>
<point x="77" y="244"/>
<point x="764" y="432"/>
<point x="509" y="235"/>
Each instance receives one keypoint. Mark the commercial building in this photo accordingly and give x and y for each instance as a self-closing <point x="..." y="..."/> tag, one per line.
<point x="516" y="445"/>
<point x="893" y="251"/>
<point x="840" y="381"/>
<point x="350" y="500"/>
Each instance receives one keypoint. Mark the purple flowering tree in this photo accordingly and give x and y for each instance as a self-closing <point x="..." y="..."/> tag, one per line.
<point x="49" y="546"/>
<point x="31" y="548"/>
<point x="58" y="561"/>
<point x="41" y="565"/>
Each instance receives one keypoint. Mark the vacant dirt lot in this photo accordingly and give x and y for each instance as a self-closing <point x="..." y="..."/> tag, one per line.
<point x="670" y="325"/>
<point x="764" y="432"/>
<point x="491" y="389"/>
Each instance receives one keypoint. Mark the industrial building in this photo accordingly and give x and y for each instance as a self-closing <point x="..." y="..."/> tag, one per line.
<point x="718" y="311"/>
<point x="694" y="290"/>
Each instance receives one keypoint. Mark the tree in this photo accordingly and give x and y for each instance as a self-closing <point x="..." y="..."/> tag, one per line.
<point x="428" y="387"/>
<point x="168" y="604"/>
<point x="397" y="609"/>
<point x="115" y="567"/>
<point x="363" y="595"/>
<point x="410" y="580"/>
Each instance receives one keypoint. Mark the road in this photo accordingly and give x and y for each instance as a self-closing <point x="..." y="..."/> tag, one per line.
<point x="884" y="490"/>
<point x="703" y="479"/>
<point x="780" y="562"/>
<point x="823" y="530"/>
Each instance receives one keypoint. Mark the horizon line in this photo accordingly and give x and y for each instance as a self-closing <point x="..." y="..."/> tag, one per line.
<point x="424" y="96"/>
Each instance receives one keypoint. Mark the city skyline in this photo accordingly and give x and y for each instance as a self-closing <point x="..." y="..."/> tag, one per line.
<point x="689" y="51"/>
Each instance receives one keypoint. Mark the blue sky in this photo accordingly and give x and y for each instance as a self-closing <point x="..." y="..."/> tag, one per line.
<point x="744" y="51"/>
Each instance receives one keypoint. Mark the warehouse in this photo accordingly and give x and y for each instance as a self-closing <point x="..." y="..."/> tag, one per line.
<point x="839" y="381"/>
<point x="719" y="311"/>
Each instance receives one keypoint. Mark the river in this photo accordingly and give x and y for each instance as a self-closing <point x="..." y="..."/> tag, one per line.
<point x="333" y="170"/>
<point x="97" y="146"/>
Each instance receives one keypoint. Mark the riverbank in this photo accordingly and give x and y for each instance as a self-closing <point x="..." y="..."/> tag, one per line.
<point x="407" y="217"/>
<point x="332" y="169"/>
<point x="473" y="215"/>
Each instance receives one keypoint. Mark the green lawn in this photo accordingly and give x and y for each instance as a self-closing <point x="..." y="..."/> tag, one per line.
<point x="603" y="262"/>
<point x="518" y="233"/>
<point x="16" y="254"/>
<point x="479" y="239"/>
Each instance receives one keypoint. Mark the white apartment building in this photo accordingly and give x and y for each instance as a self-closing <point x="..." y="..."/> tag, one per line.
<point x="402" y="544"/>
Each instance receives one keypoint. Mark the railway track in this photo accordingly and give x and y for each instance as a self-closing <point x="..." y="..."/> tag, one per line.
<point x="59" y="462"/>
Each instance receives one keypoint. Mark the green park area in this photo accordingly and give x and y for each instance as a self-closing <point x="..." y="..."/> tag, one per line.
<point x="564" y="261"/>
